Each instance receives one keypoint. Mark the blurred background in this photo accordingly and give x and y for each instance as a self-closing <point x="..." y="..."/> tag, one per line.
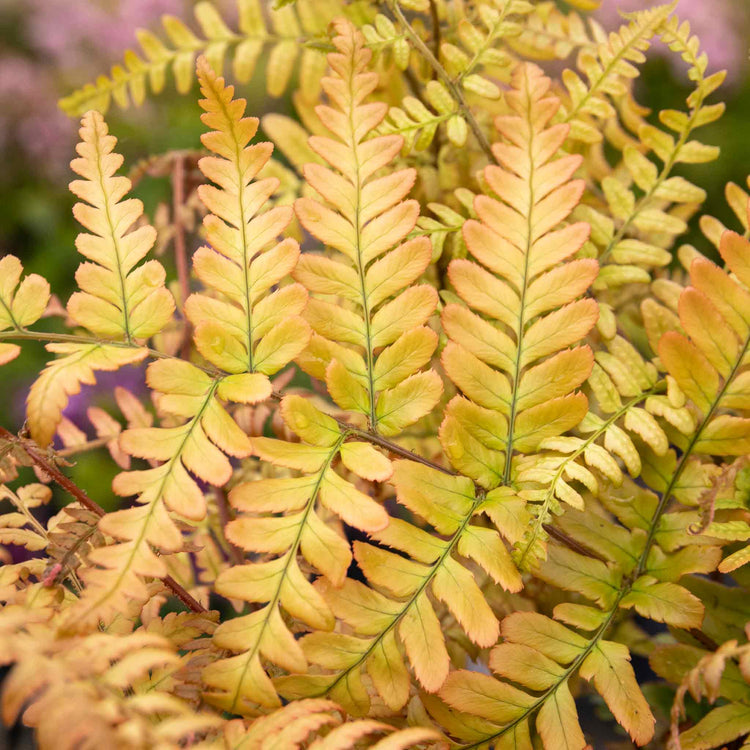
<point x="50" y="47"/>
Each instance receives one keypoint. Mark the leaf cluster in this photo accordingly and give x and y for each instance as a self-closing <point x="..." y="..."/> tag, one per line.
<point x="438" y="410"/>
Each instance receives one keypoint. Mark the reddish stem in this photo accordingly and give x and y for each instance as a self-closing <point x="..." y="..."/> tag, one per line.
<point x="73" y="489"/>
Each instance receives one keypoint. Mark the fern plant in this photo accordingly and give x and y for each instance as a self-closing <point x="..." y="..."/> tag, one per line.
<point x="440" y="409"/>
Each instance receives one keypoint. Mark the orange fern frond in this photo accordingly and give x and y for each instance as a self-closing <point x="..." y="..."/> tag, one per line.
<point x="248" y="328"/>
<point x="371" y="350"/>
<point x="508" y="351"/>
<point x="119" y="301"/>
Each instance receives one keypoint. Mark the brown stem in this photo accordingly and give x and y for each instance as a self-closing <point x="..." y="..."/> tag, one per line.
<point x="454" y="88"/>
<point x="222" y="505"/>
<point x="180" y="250"/>
<point x="382" y="442"/>
<point x="570" y="543"/>
<point x="435" y="29"/>
<point x="386" y="444"/>
<point x="78" y="494"/>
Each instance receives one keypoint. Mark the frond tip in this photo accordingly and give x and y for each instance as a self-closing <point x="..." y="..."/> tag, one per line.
<point x="120" y="303"/>
<point x="371" y="349"/>
<point x="117" y="301"/>
<point x="244" y="326"/>
<point x="516" y="373"/>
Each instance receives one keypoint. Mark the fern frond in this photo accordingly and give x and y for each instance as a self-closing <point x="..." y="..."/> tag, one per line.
<point x="396" y="607"/>
<point x="199" y="446"/>
<point x="298" y="526"/>
<point x="21" y="302"/>
<point x="539" y="654"/>
<point x="719" y="675"/>
<point x="120" y="302"/>
<point x="289" y="30"/>
<point x="550" y="33"/>
<point x="635" y="561"/>
<point x="248" y="329"/>
<point x="479" y="47"/>
<point x="455" y="68"/>
<point x="297" y="724"/>
<point x="608" y="68"/>
<point x="99" y="690"/>
<point x="504" y="367"/>
<point x="637" y="237"/>
<point x="382" y="36"/>
<point x="709" y="365"/>
<point x="381" y="376"/>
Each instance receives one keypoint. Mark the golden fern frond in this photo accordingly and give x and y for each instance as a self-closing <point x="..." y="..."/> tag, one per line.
<point x="396" y="606"/>
<point x="513" y="366"/>
<point x="120" y="302"/>
<point x="632" y="558"/>
<point x="99" y="691"/>
<point x="708" y="362"/>
<point x="300" y="523"/>
<point x="538" y="654"/>
<point x="199" y="445"/>
<point x="21" y="302"/>
<point x="287" y="32"/>
<point x="629" y="402"/>
<point x="636" y="565"/>
<point x="615" y="551"/>
<point x="382" y="36"/>
<point x="249" y="329"/>
<point x="550" y="33"/>
<point x="608" y="69"/>
<point x="322" y="724"/>
<point x="637" y="232"/>
<point x="475" y="47"/>
<point x="371" y="352"/>
<point x="723" y="675"/>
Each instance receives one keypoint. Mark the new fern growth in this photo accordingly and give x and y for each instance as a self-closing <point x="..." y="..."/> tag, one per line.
<point x="443" y="411"/>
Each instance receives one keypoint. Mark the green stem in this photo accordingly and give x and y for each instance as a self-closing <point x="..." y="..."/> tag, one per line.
<point x="639" y="568"/>
<point x="455" y="89"/>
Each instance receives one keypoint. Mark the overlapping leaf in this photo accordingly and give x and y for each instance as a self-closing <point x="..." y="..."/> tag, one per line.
<point x="119" y="301"/>
<point x="370" y="350"/>
<point x="508" y="351"/>
<point x="282" y="519"/>
<point x="197" y="448"/>
<point x="249" y="328"/>
<point x="396" y="608"/>
<point x="538" y="654"/>
<point x="626" y="410"/>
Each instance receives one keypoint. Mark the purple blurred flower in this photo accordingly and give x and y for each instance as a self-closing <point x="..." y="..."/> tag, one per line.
<point x="65" y="45"/>
<point x="721" y="26"/>
<point x="85" y="34"/>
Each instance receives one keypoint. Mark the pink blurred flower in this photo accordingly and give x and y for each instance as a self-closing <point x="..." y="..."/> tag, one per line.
<point x="88" y="33"/>
<point x="721" y="26"/>
<point x="65" y="44"/>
